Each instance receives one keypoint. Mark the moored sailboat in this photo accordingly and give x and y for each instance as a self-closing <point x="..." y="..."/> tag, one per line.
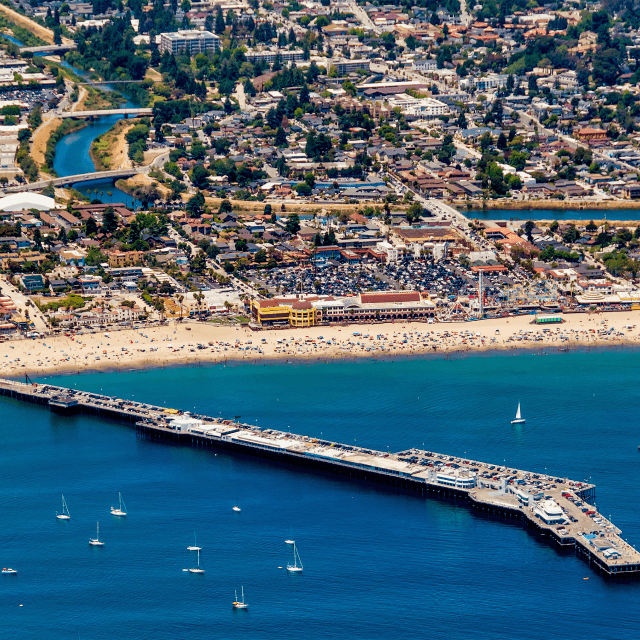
<point x="96" y="542"/>
<point x="519" y="419"/>
<point x="65" y="515"/>
<point x="295" y="567"/>
<point x="122" y="508"/>
<point x="240" y="604"/>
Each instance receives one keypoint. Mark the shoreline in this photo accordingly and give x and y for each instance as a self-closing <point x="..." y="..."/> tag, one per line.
<point x="177" y="345"/>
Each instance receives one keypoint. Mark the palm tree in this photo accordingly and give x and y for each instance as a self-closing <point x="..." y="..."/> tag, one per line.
<point x="180" y="299"/>
<point x="109" y="193"/>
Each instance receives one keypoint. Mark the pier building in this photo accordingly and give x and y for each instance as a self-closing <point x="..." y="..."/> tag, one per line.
<point x="559" y="509"/>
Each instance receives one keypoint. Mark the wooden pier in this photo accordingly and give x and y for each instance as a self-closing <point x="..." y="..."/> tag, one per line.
<point x="558" y="509"/>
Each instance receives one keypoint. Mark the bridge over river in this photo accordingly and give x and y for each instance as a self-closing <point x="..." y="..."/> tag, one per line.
<point x="80" y="177"/>
<point x="98" y="113"/>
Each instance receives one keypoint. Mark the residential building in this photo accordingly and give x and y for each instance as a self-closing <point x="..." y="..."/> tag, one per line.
<point x="269" y="55"/>
<point x="424" y="65"/>
<point x="189" y="40"/>
<point x="344" y="67"/>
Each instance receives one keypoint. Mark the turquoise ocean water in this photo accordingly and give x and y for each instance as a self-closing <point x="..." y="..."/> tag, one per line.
<point x="378" y="563"/>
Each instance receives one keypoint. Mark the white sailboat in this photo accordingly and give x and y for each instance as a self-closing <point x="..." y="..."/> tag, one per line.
<point x="96" y="541"/>
<point x="195" y="546"/>
<point x="197" y="569"/>
<point x="65" y="515"/>
<point x="121" y="510"/>
<point x="236" y="507"/>
<point x="519" y="419"/>
<point x="296" y="558"/>
<point x="240" y="604"/>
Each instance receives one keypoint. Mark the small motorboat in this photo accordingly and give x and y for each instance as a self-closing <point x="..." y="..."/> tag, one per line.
<point x="9" y="570"/>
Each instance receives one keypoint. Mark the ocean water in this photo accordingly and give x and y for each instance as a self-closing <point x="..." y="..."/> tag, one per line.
<point x="378" y="563"/>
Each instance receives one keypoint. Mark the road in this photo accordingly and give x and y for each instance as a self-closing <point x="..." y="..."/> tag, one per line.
<point x="241" y="96"/>
<point x="364" y="18"/>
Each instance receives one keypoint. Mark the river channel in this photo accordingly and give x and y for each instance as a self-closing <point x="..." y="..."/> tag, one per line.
<point x="72" y="152"/>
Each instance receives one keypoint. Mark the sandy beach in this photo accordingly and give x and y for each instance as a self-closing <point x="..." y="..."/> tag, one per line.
<point x="192" y="343"/>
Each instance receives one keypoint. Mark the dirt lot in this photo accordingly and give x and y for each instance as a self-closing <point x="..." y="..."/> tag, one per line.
<point x="34" y="27"/>
<point x="40" y="138"/>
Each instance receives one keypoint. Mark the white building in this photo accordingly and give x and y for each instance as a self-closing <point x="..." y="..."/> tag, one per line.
<point x="343" y="67"/>
<point x="549" y="511"/>
<point x="425" y="107"/>
<point x="269" y="55"/>
<point x="492" y="81"/>
<point x="185" y="423"/>
<point x="392" y="252"/>
<point x="424" y="65"/>
<point x="189" y="40"/>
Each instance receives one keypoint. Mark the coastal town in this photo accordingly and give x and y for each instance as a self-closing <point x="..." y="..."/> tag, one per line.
<point x="309" y="165"/>
<point x="315" y="165"/>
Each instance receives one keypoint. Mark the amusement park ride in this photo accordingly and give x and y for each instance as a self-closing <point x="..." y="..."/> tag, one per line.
<point x="518" y="298"/>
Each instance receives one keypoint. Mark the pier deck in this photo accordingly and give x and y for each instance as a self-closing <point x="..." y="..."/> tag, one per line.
<point x="558" y="508"/>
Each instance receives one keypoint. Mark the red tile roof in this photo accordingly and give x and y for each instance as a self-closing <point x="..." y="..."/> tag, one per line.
<point x="398" y="296"/>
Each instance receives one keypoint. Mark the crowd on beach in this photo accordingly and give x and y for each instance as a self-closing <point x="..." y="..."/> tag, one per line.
<point x="200" y="342"/>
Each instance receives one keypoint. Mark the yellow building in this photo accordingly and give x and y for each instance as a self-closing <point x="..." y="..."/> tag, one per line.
<point x="295" y="313"/>
<point x="125" y="258"/>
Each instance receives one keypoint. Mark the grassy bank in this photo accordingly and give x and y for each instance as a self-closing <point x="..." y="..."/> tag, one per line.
<point x="25" y="25"/>
<point x="108" y="150"/>
<point x="97" y="99"/>
<point x="66" y="127"/>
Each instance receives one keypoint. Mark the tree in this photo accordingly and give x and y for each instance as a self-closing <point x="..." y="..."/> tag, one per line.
<point x="198" y="262"/>
<point x="502" y="141"/>
<point x="592" y="227"/>
<point x="220" y="26"/>
<point x="225" y="207"/>
<point x="260" y="256"/>
<point x="570" y="235"/>
<point x="109" y="220"/>
<point x="303" y="189"/>
<point x="529" y="226"/>
<point x="281" y="138"/>
<point x="267" y="210"/>
<point x="195" y="204"/>
<point x="415" y="212"/>
<point x="623" y="236"/>
<point x="293" y="223"/>
<point x="200" y="177"/>
<point x="90" y="226"/>
<point x="304" y="95"/>
<point x="553" y="227"/>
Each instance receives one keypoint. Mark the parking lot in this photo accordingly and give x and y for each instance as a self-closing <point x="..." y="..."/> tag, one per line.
<point x="440" y="279"/>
